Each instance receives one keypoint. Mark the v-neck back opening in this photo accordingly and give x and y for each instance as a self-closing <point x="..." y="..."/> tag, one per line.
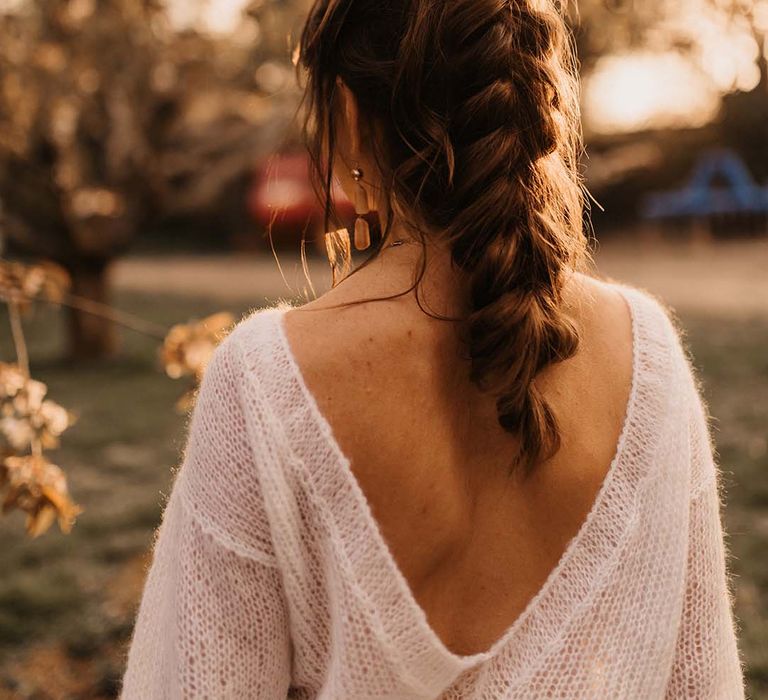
<point x="395" y="612"/>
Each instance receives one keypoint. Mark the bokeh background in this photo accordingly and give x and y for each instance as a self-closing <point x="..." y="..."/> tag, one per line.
<point x="149" y="146"/>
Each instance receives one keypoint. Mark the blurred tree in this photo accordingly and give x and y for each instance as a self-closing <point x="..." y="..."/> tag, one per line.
<point x="604" y="27"/>
<point x="725" y="44"/>
<point x="236" y="99"/>
<point x="743" y="123"/>
<point x="80" y="119"/>
<point x="111" y="116"/>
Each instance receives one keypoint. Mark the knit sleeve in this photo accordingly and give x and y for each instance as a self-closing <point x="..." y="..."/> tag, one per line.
<point x="213" y="622"/>
<point x="707" y="663"/>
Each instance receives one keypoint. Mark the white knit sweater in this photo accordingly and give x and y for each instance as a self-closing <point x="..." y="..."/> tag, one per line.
<point x="271" y="579"/>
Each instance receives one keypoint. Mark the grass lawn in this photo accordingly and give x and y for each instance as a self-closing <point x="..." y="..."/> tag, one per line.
<point x="66" y="602"/>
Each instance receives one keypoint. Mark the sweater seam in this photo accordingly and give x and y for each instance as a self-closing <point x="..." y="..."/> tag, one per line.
<point x="238" y="548"/>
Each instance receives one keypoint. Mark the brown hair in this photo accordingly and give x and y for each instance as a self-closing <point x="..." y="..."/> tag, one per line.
<point x="474" y="125"/>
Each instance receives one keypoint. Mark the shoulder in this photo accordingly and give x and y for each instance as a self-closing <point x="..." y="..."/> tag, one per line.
<point x="228" y="408"/>
<point x="655" y="320"/>
<point x="253" y="382"/>
<point x="660" y="336"/>
<point x="646" y="306"/>
<point x="230" y="441"/>
<point x="615" y="296"/>
<point x="663" y="336"/>
<point x="222" y="411"/>
<point x="603" y="313"/>
<point x="247" y="352"/>
<point x="666" y="364"/>
<point x="258" y="328"/>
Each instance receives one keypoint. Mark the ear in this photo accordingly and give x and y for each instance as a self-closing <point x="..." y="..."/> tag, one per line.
<point x="351" y="113"/>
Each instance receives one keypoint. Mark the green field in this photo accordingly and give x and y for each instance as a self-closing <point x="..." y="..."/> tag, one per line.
<point x="66" y="601"/>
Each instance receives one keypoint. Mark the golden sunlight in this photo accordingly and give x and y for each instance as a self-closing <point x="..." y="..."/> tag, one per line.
<point x="11" y="5"/>
<point x="647" y="90"/>
<point x="213" y="16"/>
<point x="661" y="86"/>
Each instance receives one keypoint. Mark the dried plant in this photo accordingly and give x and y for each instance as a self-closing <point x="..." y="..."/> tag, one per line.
<point x="189" y="346"/>
<point x="24" y="283"/>
<point x="27" y="418"/>
<point x="31" y="423"/>
<point x="39" y="488"/>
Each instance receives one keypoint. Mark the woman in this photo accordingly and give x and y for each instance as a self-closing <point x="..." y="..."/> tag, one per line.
<point x="471" y="469"/>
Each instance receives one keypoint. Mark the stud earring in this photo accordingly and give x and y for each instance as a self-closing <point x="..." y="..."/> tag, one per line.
<point x="362" y="230"/>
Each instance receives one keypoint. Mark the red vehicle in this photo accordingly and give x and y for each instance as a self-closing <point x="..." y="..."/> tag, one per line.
<point x="281" y="199"/>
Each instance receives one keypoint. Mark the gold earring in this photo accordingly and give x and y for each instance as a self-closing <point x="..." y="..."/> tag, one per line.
<point x="362" y="230"/>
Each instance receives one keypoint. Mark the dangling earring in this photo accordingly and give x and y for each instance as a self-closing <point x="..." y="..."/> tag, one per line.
<point x="362" y="230"/>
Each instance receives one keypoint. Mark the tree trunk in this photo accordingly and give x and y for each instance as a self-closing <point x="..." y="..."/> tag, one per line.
<point x="91" y="336"/>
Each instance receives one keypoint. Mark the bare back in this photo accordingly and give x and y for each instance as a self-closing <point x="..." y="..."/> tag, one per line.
<point x="474" y="544"/>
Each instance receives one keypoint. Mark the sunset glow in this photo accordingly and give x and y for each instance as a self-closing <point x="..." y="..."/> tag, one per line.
<point x="635" y="91"/>
<point x="214" y="16"/>
<point x="658" y="86"/>
<point x="663" y="87"/>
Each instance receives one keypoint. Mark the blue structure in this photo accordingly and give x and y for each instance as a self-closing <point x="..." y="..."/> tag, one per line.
<point x="701" y="198"/>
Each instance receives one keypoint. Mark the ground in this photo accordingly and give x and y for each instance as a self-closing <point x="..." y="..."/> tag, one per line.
<point x="67" y="602"/>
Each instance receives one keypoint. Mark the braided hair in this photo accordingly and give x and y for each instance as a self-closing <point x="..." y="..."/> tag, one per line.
<point x="474" y="126"/>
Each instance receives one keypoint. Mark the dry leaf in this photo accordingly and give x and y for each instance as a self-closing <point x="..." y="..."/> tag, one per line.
<point x="12" y="380"/>
<point x="188" y="348"/>
<point x="26" y="416"/>
<point x="57" y="282"/>
<point x="18" y="432"/>
<point x="38" y="488"/>
<point x="24" y="283"/>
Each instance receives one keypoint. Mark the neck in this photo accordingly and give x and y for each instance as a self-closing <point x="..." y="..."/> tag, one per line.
<point x="395" y="268"/>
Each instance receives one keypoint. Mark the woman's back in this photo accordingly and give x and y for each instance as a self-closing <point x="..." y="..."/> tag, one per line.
<point x="517" y="502"/>
<point x="474" y="542"/>
<point x="319" y="544"/>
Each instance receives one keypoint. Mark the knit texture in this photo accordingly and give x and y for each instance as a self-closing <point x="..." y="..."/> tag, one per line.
<point x="271" y="579"/>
